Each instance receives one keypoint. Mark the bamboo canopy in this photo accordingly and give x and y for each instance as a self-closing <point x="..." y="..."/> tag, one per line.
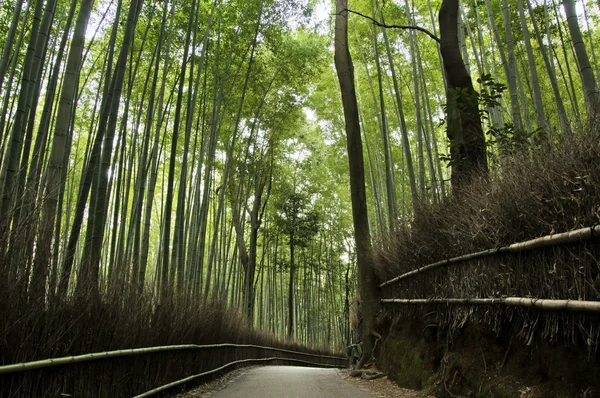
<point x="525" y="302"/>
<point x="544" y="241"/>
<point x="193" y="377"/>
<point x="45" y="363"/>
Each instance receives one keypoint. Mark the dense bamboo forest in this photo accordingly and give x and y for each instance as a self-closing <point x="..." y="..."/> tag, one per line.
<point x="170" y="155"/>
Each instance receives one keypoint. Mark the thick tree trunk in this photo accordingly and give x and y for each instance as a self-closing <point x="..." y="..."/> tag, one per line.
<point x="467" y="142"/>
<point x="369" y="291"/>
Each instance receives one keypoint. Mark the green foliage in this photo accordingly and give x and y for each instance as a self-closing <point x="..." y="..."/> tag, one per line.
<point x="507" y="137"/>
<point x="298" y="220"/>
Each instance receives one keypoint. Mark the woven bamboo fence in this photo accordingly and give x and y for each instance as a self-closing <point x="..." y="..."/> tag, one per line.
<point x="125" y="373"/>
<point x="547" y="287"/>
<point x="544" y="241"/>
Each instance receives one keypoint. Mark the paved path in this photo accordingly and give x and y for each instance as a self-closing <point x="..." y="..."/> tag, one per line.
<point x="291" y="382"/>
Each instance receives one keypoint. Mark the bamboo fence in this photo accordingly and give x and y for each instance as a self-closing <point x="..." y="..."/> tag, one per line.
<point x="45" y="363"/>
<point x="525" y="302"/>
<point x="544" y="241"/>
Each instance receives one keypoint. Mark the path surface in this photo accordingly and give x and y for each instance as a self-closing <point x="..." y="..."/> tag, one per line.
<point x="291" y="382"/>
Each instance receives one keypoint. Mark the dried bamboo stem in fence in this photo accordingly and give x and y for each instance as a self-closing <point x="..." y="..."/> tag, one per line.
<point x="44" y="363"/>
<point x="544" y="241"/>
<point x="542" y="304"/>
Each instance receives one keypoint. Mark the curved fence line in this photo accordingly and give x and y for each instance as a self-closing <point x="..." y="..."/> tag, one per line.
<point x="544" y="241"/>
<point x="44" y="363"/>
<point x="542" y="304"/>
<point x="193" y="377"/>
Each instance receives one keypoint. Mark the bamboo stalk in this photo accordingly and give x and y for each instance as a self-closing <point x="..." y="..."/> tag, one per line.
<point x="190" y="378"/>
<point x="525" y="302"/>
<point x="45" y="363"/>
<point x="544" y="241"/>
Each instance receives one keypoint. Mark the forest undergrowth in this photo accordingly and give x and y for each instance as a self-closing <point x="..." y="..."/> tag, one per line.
<point x="551" y="189"/>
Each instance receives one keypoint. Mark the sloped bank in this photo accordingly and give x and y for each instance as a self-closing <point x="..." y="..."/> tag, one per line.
<point x="477" y="361"/>
<point x="495" y="350"/>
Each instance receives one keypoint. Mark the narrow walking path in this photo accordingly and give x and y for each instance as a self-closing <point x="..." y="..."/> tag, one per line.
<point x="296" y="382"/>
<point x="291" y="382"/>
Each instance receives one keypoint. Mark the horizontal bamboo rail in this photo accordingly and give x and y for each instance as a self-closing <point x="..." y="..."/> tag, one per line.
<point x="45" y="363"/>
<point x="190" y="378"/>
<point x="542" y="304"/>
<point x="544" y="241"/>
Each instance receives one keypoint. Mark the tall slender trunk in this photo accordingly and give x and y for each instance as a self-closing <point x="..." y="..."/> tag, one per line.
<point x="13" y="152"/>
<point x="88" y="171"/>
<point x="592" y="96"/>
<point x="168" y="273"/>
<point x="387" y="152"/>
<point x="87" y="283"/>
<point x="562" y="113"/>
<point x="56" y="173"/>
<point x="404" y="129"/>
<point x="512" y="70"/>
<point x="154" y="154"/>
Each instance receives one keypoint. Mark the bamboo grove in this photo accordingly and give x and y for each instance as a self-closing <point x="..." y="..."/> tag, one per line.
<point x="534" y="85"/>
<point x="144" y="154"/>
<point x="187" y="151"/>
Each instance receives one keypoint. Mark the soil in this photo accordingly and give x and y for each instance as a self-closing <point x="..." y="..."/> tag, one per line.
<point x="479" y="362"/>
<point x="381" y="388"/>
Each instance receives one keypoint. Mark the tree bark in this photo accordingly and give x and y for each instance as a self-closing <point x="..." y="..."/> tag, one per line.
<point x="369" y="291"/>
<point x="464" y="130"/>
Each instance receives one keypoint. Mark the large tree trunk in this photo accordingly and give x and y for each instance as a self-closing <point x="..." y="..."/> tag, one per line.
<point x="467" y="142"/>
<point x="369" y="291"/>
